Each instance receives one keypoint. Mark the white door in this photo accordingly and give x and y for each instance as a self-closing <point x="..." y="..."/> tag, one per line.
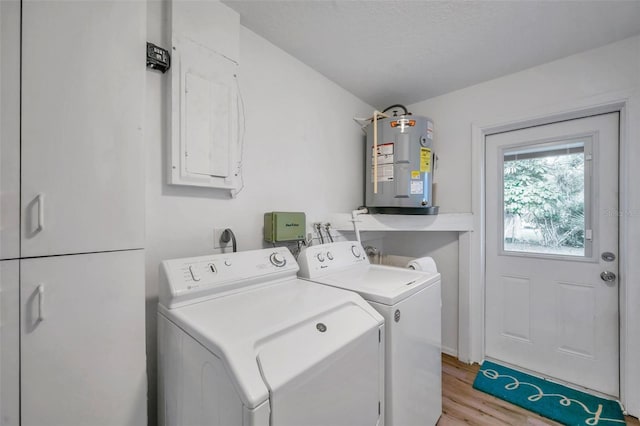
<point x="9" y="344"/>
<point x="551" y="250"/>
<point x="82" y="346"/>
<point x="83" y="77"/>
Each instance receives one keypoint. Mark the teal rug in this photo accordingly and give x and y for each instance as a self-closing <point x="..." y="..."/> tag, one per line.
<point x="548" y="399"/>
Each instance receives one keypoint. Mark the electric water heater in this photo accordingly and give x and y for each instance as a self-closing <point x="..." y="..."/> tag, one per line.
<point x="399" y="165"/>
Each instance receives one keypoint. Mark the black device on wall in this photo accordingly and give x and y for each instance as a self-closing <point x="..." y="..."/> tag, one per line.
<point x="158" y="58"/>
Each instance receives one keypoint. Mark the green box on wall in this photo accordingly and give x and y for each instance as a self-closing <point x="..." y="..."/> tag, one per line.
<point x="284" y="226"/>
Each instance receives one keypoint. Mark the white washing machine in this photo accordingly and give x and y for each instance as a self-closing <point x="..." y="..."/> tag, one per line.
<point x="410" y="303"/>
<point x="243" y="342"/>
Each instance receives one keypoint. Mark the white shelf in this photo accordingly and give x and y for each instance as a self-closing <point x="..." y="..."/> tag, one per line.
<point x="457" y="222"/>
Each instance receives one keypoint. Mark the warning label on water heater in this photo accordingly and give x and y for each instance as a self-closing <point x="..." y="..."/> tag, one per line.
<point x="385" y="173"/>
<point x="425" y="160"/>
<point x="384" y="153"/>
<point x="417" y="187"/>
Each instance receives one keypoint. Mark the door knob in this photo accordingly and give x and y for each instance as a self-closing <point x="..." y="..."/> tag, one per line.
<point x="608" y="276"/>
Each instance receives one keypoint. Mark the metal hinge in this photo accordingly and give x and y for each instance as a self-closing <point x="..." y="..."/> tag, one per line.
<point x="379" y="335"/>
<point x="379" y="410"/>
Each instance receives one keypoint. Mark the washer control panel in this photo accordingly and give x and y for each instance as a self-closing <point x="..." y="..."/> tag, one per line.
<point x="185" y="280"/>
<point x="324" y="258"/>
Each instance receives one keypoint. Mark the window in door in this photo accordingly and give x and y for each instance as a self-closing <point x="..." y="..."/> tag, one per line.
<point x="546" y="193"/>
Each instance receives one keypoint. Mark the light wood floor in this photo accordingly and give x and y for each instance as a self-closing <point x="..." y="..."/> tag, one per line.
<point x="463" y="405"/>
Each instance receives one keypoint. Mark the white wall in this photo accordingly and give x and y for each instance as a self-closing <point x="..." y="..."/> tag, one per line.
<point x="539" y="90"/>
<point x="580" y="81"/>
<point x="302" y="152"/>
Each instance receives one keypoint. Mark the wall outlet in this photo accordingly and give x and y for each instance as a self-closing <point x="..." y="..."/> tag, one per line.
<point x="217" y="234"/>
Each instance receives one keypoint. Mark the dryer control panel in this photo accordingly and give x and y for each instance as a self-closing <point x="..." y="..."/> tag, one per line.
<point x="190" y="280"/>
<point x="317" y="260"/>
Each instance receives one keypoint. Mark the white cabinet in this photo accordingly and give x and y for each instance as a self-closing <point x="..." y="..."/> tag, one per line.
<point x="9" y="344"/>
<point x="72" y="341"/>
<point x="82" y="347"/>
<point x="9" y="129"/>
<point x="83" y="82"/>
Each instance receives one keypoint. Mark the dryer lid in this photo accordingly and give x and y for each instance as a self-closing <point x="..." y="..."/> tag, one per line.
<point x="387" y="285"/>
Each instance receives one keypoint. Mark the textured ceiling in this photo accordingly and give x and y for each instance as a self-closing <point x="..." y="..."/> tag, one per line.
<point x="402" y="51"/>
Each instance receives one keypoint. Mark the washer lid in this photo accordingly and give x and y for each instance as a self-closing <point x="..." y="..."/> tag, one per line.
<point x="378" y="283"/>
<point x="333" y="360"/>
<point x="235" y="327"/>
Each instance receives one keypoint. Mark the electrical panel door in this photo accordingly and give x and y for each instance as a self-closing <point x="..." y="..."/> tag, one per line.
<point x="204" y="137"/>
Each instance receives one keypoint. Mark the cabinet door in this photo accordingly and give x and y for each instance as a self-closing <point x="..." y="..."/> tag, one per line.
<point x="9" y="344"/>
<point x="83" y="88"/>
<point x="83" y="340"/>
<point x="9" y="129"/>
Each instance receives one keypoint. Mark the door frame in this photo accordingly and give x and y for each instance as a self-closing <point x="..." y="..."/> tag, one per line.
<point x="472" y="289"/>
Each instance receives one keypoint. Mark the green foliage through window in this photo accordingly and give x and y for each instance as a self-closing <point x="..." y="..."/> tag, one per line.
<point x="545" y="195"/>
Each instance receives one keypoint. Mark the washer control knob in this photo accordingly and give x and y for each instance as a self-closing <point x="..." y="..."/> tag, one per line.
<point x="356" y="251"/>
<point x="227" y="262"/>
<point x="329" y="255"/>
<point x="320" y="257"/>
<point x="277" y="260"/>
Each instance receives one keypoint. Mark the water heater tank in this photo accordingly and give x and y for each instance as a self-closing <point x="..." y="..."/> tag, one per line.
<point x="401" y="181"/>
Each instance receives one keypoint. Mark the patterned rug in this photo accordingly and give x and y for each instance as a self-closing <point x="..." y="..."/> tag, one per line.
<point x="548" y="399"/>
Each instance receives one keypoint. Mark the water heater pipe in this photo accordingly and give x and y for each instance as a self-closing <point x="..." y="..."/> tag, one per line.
<point x="376" y="113"/>
<point x="354" y="216"/>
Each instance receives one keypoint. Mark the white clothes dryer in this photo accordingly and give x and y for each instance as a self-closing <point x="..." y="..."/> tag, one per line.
<point x="243" y="342"/>
<point x="410" y="302"/>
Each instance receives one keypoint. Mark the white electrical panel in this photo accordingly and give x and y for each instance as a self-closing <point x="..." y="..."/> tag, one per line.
<point x="205" y="140"/>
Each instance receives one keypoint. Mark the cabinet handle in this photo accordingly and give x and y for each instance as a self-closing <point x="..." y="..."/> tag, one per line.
<point x="40" y="201"/>
<point x="41" y="303"/>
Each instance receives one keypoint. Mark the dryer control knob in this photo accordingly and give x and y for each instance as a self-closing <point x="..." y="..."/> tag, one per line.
<point x="194" y="275"/>
<point x="320" y="257"/>
<point x="277" y="260"/>
<point x="356" y="251"/>
<point x="329" y="255"/>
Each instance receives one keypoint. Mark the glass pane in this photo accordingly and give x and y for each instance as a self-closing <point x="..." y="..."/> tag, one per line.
<point x="544" y="199"/>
